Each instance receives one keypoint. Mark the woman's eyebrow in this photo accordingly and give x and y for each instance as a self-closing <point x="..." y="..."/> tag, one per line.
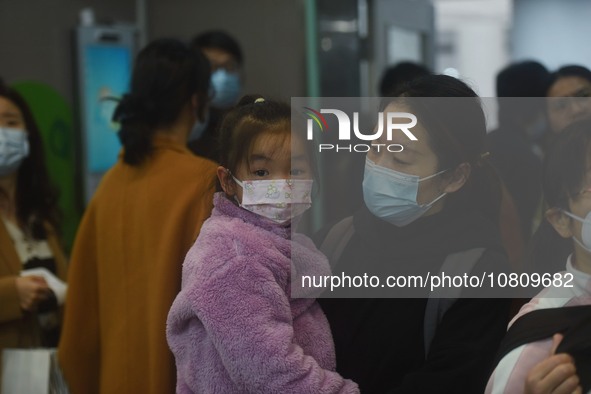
<point x="298" y="158"/>
<point x="10" y="115"/>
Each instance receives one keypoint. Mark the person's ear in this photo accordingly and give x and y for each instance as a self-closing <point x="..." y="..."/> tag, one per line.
<point x="199" y="107"/>
<point x="560" y="222"/>
<point x="225" y="178"/>
<point x="458" y="178"/>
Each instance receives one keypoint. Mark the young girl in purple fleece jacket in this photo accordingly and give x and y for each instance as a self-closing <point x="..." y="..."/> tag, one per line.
<point x="234" y="328"/>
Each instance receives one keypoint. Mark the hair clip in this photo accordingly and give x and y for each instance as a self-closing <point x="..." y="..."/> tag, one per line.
<point x="484" y="155"/>
<point x="259" y="100"/>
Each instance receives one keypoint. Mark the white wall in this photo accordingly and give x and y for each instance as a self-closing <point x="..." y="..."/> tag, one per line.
<point x="477" y="31"/>
<point x="554" y="32"/>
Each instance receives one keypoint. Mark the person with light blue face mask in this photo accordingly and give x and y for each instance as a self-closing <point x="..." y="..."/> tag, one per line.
<point x="226" y="60"/>
<point x="30" y="251"/>
<point x="399" y="188"/>
<point x="226" y="88"/>
<point x="435" y="201"/>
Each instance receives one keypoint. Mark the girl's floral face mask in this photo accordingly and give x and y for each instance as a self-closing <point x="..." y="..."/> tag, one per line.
<point x="277" y="199"/>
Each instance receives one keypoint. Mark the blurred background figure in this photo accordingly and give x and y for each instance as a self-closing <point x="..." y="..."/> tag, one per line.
<point x="144" y="217"/>
<point x="28" y="237"/>
<point x="395" y="76"/>
<point x="226" y="60"/>
<point x="521" y="121"/>
<point x="568" y="81"/>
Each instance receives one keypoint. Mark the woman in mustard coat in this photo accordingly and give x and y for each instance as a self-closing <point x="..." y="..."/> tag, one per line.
<point x="126" y="263"/>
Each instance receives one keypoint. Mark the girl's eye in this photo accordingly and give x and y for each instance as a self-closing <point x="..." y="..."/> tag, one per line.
<point x="261" y="172"/>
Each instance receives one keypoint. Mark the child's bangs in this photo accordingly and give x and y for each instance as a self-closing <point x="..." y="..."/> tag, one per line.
<point x="272" y="140"/>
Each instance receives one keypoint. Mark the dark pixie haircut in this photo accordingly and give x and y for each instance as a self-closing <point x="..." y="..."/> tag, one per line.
<point x="457" y="134"/>
<point x="166" y="75"/>
<point x="218" y="39"/>
<point x="399" y="74"/>
<point x="36" y="199"/>
<point x="568" y="71"/>
<point x="567" y="164"/>
<point x="523" y="79"/>
<point x="252" y="117"/>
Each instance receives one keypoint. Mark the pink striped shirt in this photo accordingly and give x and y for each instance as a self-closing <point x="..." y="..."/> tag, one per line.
<point x="510" y="374"/>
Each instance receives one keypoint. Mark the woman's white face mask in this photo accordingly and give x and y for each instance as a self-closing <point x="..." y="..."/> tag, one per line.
<point x="585" y="241"/>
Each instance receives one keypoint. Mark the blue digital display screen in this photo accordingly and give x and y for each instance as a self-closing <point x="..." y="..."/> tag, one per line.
<point x="106" y="77"/>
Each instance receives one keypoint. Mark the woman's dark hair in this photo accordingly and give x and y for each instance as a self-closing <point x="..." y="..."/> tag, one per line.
<point x="221" y="40"/>
<point x="250" y="118"/>
<point x="568" y="71"/>
<point x="36" y="199"/>
<point x="400" y="73"/>
<point x="457" y="134"/>
<point x="567" y="163"/>
<point x="166" y="75"/>
<point x="523" y="79"/>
